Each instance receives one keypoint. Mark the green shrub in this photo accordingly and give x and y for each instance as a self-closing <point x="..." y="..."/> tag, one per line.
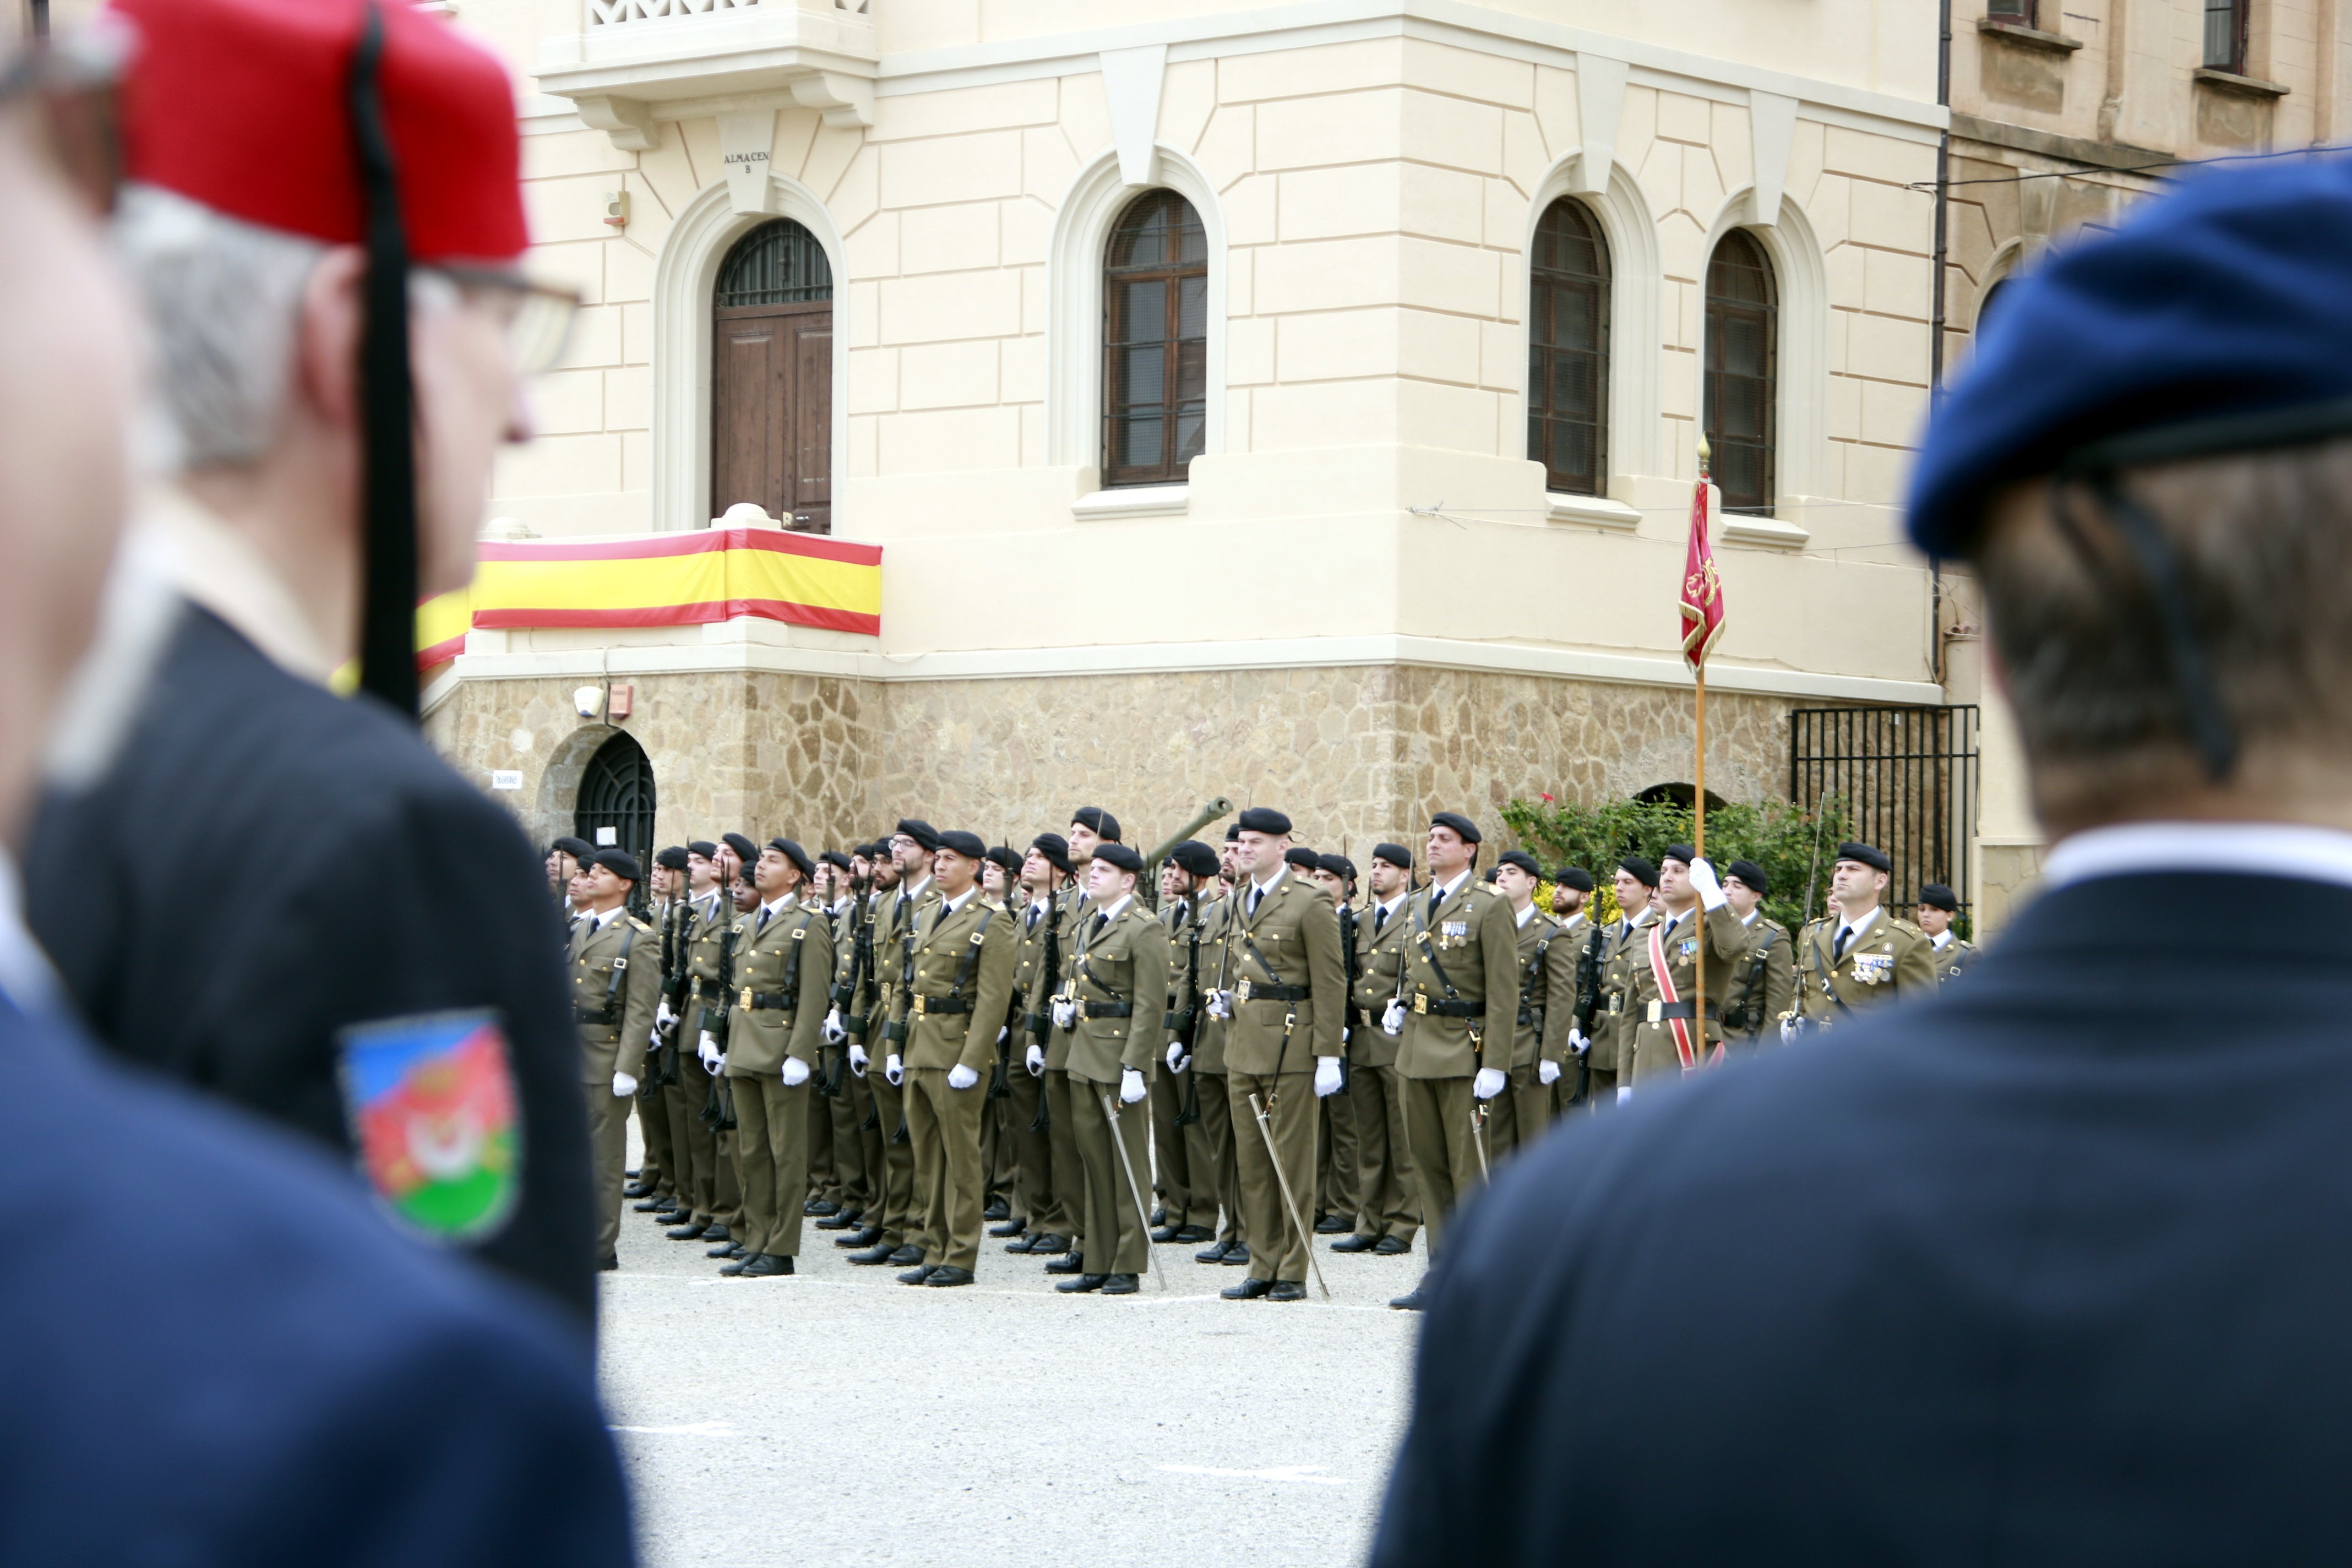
<point x="1792" y="844"/>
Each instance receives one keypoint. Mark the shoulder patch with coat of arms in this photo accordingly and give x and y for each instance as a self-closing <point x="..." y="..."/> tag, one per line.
<point x="431" y="1104"/>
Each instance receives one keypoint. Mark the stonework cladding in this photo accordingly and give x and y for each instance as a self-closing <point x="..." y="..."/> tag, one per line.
<point x="1353" y="754"/>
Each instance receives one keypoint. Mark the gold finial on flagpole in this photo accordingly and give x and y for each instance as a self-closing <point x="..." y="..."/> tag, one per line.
<point x="1703" y="454"/>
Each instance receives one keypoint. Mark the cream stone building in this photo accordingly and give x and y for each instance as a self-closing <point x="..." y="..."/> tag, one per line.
<point x="1297" y="403"/>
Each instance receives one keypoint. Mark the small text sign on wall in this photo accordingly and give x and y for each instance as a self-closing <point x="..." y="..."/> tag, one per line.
<point x="505" y="778"/>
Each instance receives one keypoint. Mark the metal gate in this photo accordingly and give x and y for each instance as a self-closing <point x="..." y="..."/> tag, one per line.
<point x="616" y="804"/>
<point x="1907" y="780"/>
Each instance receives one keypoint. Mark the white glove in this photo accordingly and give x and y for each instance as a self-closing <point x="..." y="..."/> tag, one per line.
<point x="893" y="1070"/>
<point x="1548" y="1073"/>
<point x="624" y="1086"/>
<point x="1177" y="1060"/>
<point x="663" y="1016"/>
<point x="653" y="1037"/>
<point x="1710" y="891"/>
<point x="1392" y="1018"/>
<point x="1002" y="1033"/>
<point x="833" y="1030"/>
<point x="1033" y="1059"/>
<point x="962" y="1077"/>
<point x="857" y="1060"/>
<point x="795" y="1072"/>
<point x="718" y="1068"/>
<point x="1623" y="1094"/>
<point x="707" y="1050"/>
<point x="1489" y="1083"/>
<point x="1326" y="1076"/>
<point x="1130" y="1087"/>
<point x="1576" y="1042"/>
<point x="1220" y="1003"/>
<point x="1066" y="1012"/>
<point x="1788" y="1031"/>
<point x="1346" y="1034"/>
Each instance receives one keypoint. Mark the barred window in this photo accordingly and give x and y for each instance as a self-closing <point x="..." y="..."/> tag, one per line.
<point x="1155" y="342"/>
<point x="1567" y="350"/>
<point x="1742" y="326"/>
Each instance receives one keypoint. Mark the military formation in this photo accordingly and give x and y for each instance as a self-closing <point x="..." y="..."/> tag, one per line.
<point x="922" y="1036"/>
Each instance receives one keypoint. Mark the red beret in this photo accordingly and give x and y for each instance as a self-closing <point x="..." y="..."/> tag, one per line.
<point x="245" y="107"/>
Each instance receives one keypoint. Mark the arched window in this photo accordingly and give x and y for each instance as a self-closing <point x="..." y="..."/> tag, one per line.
<point x="1567" y="350"/>
<point x="1742" y="305"/>
<point x="1155" y="342"/>
<point x="616" y="801"/>
<point x="772" y="378"/>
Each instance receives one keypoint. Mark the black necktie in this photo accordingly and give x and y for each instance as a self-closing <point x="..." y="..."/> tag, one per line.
<point x="1436" y="897"/>
<point x="763" y="921"/>
<point x="1100" y="920"/>
<point x="1033" y="917"/>
<point x="1256" y="895"/>
<point x="1845" y="935"/>
<point x="1380" y="919"/>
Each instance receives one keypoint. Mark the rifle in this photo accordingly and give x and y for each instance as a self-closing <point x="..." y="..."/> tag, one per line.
<point x="843" y="998"/>
<point x="1588" y="979"/>
<point x="719" y="1108"/>
<point x="664" y="1071"/>
<point x="894" y="1031"/>
<point x="1186" y="1024"/>
<point x="1744" y="1019"/>
<point x="1041" y="1024"/>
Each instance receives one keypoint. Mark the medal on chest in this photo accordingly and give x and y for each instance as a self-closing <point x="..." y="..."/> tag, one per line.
<point x="1874" y="968"/>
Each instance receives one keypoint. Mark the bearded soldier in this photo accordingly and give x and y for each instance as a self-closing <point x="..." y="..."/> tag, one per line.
<point x="1570" y="964"/>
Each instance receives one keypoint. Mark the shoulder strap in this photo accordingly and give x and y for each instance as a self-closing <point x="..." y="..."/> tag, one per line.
<point x="620" y="965"/>
<point x="971" y="948"/>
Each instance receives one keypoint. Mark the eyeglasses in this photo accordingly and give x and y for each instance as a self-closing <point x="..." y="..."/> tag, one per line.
<point x="536" y="317"/>
<point x="69" y="80"/>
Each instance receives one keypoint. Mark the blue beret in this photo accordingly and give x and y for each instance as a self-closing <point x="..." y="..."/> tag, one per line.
<point x="2221" y="302"/>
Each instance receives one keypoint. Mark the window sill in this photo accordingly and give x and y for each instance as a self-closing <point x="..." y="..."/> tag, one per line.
<point x="2027" y="38"/>
<point x="2231" y="82"/>
<point x="1135" y="501"/>
<point x="1593" y="511"/>
<point x="1747" y="528"/>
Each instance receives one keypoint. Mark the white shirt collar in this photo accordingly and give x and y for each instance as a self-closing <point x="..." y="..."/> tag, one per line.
<point x="771" y="911"/>
<point x="916" y="891"/>
<point x="1448" y="890"/>
<point x="1943" y="942"/>
<point x="1393" y="905"/>
<point x="1262" y="889"/>
<point x="1860" y="926"/>
<point x="1527" y="914"/>
<point x="218" y="567"/>
<point x="1752" y="916"/>
<point x="1110" y="911"/>
<point x="599" y="922"/>
<point x="2265" y="849"/>
<point x="950" y="905"/>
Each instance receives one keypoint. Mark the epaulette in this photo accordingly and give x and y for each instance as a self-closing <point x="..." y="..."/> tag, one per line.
<point x="641" y="925"/>
<point x="1899" y="923"/>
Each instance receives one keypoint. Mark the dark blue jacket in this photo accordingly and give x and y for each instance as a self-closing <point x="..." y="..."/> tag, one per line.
<point x="267" y="864"/>
<point x="218" y="1355"/>
<point x="2053" y="1268"/>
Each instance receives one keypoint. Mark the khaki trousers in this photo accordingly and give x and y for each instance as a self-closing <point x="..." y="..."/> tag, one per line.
<point x="652" y="1111"/>
<point x="1277" y="1246"/>
<point x="1387" y="1203"/>
<point x="848" y="1143"/>
<point x="1437" y="1112"/>
<point x="772" y="1124"/>
<point x="898" y="1216"/>
<point x="1034" y="1197"/>
<point x="1116" y="1239"/>
<point x="943" y="1125"/>
<point x="608" y="1155"/>
<point x="1069" y="1172"/>
<point x="1180" y="1163"/>
<point x="1519" y="1115"/>
<point x="1344" y="1197"/>
<point x="821" y="1181"/>
<point x="684" y="1166"/>
<point x="700" y="1195"/>
<point x="862" y="1110"/>
<point x="1224" y="1166"/>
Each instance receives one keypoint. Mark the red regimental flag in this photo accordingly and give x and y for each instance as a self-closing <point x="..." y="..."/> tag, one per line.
<point x="1701" y="598"/>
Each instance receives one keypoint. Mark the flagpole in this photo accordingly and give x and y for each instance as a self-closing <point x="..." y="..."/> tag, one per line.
<point x="1698" y="804"/>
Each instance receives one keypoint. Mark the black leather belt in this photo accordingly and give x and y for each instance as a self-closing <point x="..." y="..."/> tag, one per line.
<point x="939" y="1006"/>
<point x="1251" y="991"/>
<point x="1660" y="1012"/>
<point x="763" y="1001"/>
<point x="1440" y="1008"/>
<point x="593" y="1015"/>
<point x="1106" y="1009"/>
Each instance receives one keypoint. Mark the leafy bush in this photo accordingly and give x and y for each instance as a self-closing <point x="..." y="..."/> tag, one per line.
<point x="1792" y="844"/>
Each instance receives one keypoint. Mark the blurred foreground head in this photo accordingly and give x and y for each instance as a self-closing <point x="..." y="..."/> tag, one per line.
<point x="66" y="384"/>
<point x="2149" y="463"/>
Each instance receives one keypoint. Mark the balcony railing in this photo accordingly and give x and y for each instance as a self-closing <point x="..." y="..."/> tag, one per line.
<point x="616" y="13"/>
<point x="636" y="64"/>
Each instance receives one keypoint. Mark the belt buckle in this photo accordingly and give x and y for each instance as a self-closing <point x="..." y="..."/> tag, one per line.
<point x="744" y="999"/>
<point x="1419" y="1003"/>
<point x="1657" y="1012"/>
<point x="916" y="1006"/>
<point x="1243" y="992"/>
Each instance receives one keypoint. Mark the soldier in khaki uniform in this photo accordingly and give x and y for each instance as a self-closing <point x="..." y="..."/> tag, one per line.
<point x="1039" y="1224"/>
<point x="897" y="918"/>
<point x="1285" y="1008"/>
<point x="658" y="1174"/>
<point x="1521" y="1113"/>
<point x="854" y="1020"/>
<point x="616" y="982"/>
<point x="1764" y="982"/>
<point x="784" y="950"/>
<point x="1340" y="1155"/>
<point x="1458" y="989"/>
<point x="1231" y="1244"/>
<point x="1184" y="1161"/>
<point x="1862" y="956"/>
<point x="953" y="1008"/>
<point x="1110" y="1010"/>
<point x="1572" y="962"/>
<point x="1388" y="1206"/>
<point x="837" y="1154"/>
<point x="1697" y="927"/>
<point x="713" y="1203"/>
<point x="1937" y="905"/>
<point x="1608" y="1054"/>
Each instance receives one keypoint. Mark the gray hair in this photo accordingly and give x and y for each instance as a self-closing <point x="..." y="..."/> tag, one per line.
<point x="222" y="299"/>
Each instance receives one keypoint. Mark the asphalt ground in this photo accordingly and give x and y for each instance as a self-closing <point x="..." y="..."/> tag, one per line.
<point x="837" y="1417"/>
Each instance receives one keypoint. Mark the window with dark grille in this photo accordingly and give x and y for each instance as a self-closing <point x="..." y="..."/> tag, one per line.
<point x="1155" y="342"/>
<point x="2225" y="35"/>
<point x="1567" y="350"/>
<point x="1741" y="325"/>
<point x="616" y="808"/>
<point x="772" y="378"/>
<point x="2018" y="11"/>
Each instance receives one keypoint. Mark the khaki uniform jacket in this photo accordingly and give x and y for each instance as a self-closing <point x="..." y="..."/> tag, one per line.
<point x="1030" y="982"/>
<point x="619" y="1045"/>
<point x="1378" y="959"/>
<point x="950" y="1025"/>
<point x="1653" y="1039"/>
<point x="1892" y="958"/>
<point x="844" y="955"/>
<point x="1216" y="974"/>
<point x="894" y="920"/>
<point x="1763" y="984"/>
<point x="1951" y="959"/>
<point x="1474" y="940"/>
<point x="704" y="942"/>
<point x="1561" y="996"/>
<point x="782" y="1022"/>
<point x="1293" y="943"/>
<point x="1612" y="1028"/>
<point x="1064" y="912"/>
<point x="1182" y="922"/>
<point x="1123" y="965"/>
<point x="1537" y="939"/>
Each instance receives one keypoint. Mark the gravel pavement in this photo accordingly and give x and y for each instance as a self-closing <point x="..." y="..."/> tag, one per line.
<point x="838" y="1416"/>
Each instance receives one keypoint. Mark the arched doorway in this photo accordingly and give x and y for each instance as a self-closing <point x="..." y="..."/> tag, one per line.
<point x="772" y="378"/>
<point x="616" y="801"/>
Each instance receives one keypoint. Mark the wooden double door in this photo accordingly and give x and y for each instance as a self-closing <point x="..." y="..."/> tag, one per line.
<point x="771" y="412"/>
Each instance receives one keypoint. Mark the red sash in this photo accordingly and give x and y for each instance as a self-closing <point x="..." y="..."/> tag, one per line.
<point x="1665" y="977"/>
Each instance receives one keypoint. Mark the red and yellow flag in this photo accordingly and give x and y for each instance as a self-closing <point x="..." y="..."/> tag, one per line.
<point x="1702" y="600"/>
